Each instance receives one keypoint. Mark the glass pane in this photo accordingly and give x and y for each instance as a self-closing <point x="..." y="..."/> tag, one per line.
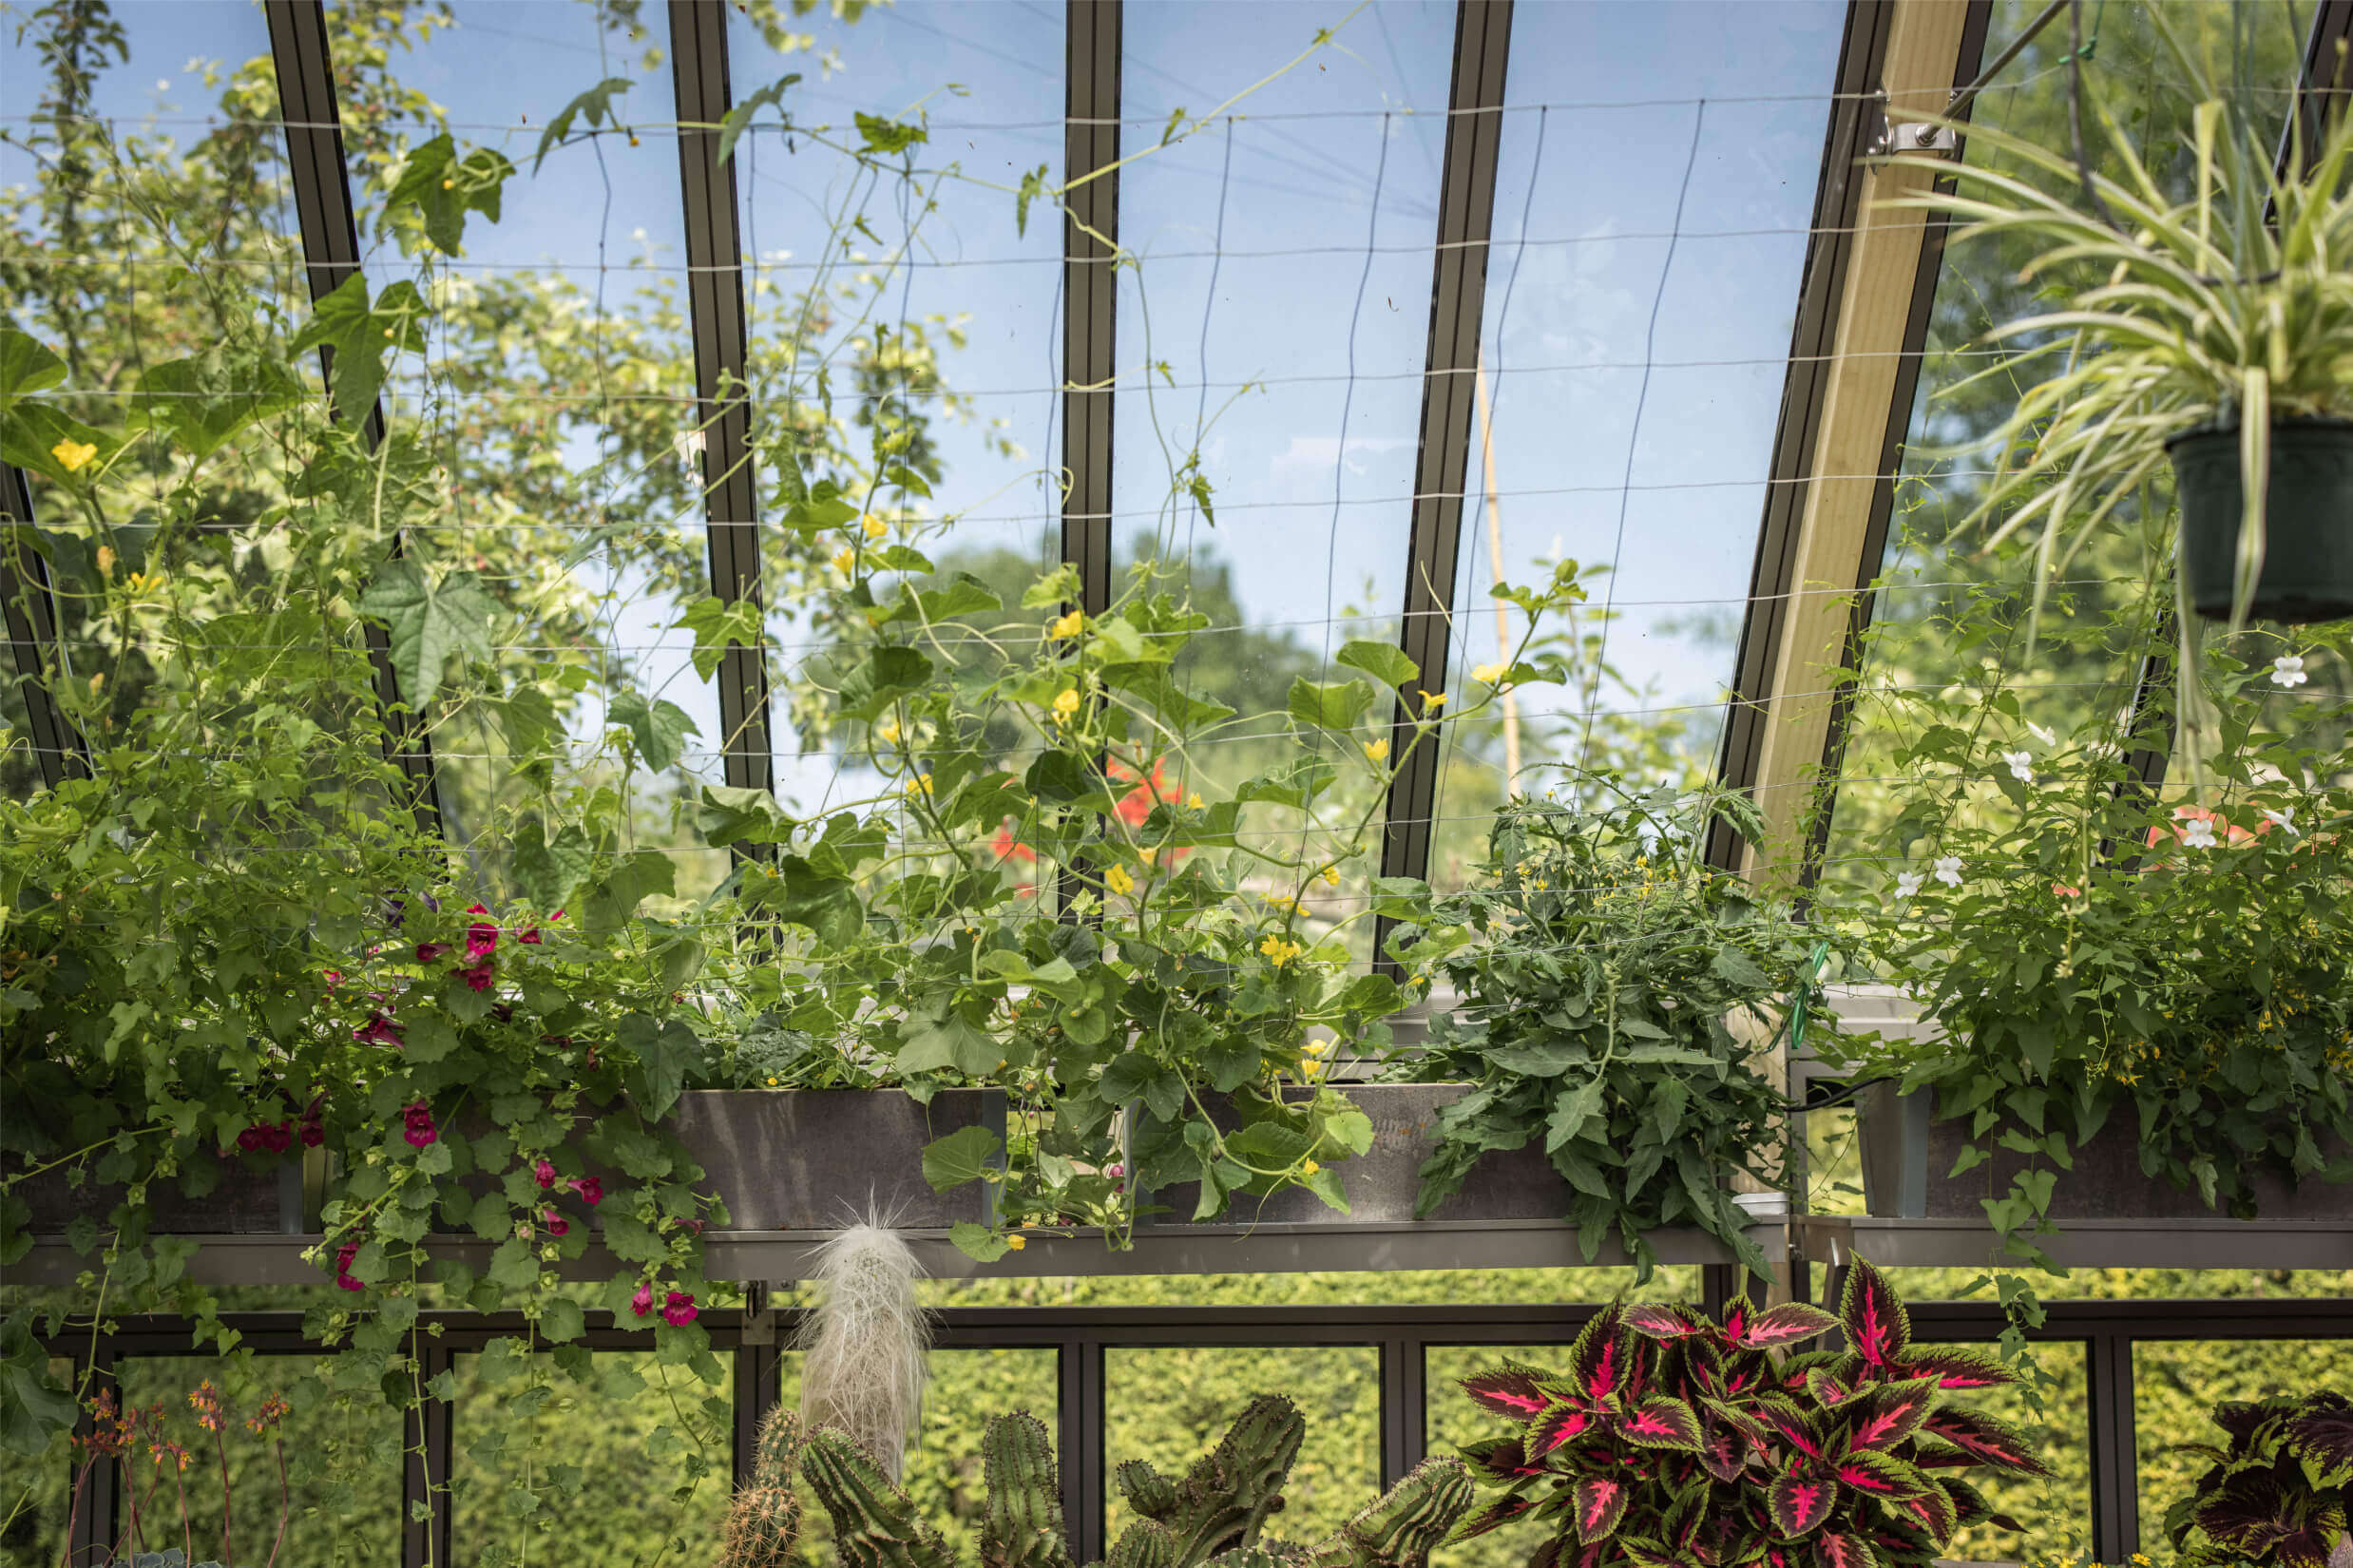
<point x="36" y="1498"/>
<point x="1169" y="1407"/>
<point x="923" y="305"/>
<point x="2112" y="605"/>
<point x="20" y="768"/>
<point x="944" y="1473"/>
<point x="1655" y="183"/>
<point x="2176" y="1383"/>
<point x="609" y="1461"/>
<point x="1451" y="1420"/>
<point x="2057" y="1511"/>
<point x="557" y="390"/>
<point x="342" y="1456"/>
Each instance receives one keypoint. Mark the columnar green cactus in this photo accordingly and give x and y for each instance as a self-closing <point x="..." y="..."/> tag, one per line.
<point x="1211" y="1518"/>
<point x="764" y="1520"/>
<point x="1226" y="1498"/>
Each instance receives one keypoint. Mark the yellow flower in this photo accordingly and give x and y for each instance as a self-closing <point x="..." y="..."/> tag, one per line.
<point x="890" y="731"/>
<point x="847" y="561"/>
<point x="1487" y="673"/>
<point x="1193" y="801"/>
<point x="772" y="1080"/>
<point x="1016" y="1242"/>
<point x="919" y="784"/>
<point x="1312" y="1070"/>
<point x="105" y="559"/>
<point x="1288" y="905"/>
<point x="1308" y="1167"/>
<point x="1281" y="952"/>
<point x="1069" y="625"/>
<point x="1119" y="881"/>
<point x="1150" y="857"/>
<point x="875" y="527"/>
<point x="73" y="456"/>
<point x="1067" y="705"/>
<point x="1331" y="876"/>
<point x="1377" y="749"/>
<point x="1432" y="702"/>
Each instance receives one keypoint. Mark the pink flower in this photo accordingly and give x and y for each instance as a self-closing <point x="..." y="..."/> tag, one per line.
<point x="544" y="1175"/>
<point x="250" y="1140"/>
<point x="428" y="951"/>
<point x="481" y="937"/>
<point x="643" y="1302"/>
<point x="312" y="1135"/>
<point x="557" y="1225"/>
<point x="277" y="1137"/>
<point x="420" y="1130"/>
<point x="591" y="1190"/>
<point x="678" y="1310"/>
<point x="530" y="936"/>
<point x="334" y="978"/>
<point x="378" y="1030"/>
<point x="479" y="976"/>
<point x="553" y="918"/>
<point x="343" y="1256"/>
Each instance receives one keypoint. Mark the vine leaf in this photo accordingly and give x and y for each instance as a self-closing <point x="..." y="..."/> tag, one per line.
<point x="594" y="106"/>
<point x="658" y="728"/>
<point x="359" y="332"/>
<point x="739" y="117"/>
<point x="444" y="188"/>
<point x="959" y="1157"/>
<point x="428" y="621"/>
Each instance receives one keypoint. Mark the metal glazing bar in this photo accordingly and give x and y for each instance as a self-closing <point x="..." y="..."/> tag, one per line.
<point x="322" y="193"/>
<point x="1840" y="435"/>
<point x="1080" y="1442"/>
<point x="1405" y="1409"/>
<point x="427" y="1433"/>
<point x="2320" y="93"/>
<point x="1458" y="311"/>
<point x="755" y="1392"/>
<point x="722" y="409"/>
<point x="90" y="1531"/>
<point x="31" y="610"/>
<point x="1090" y="311"/>
<point x="2116" y="1470"/>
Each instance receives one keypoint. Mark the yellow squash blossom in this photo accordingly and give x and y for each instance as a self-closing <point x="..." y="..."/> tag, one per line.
<point x="73" y="456"/>
<point x="1331" y="876"/>
<point x="1487" y="674"/>
<point x="919" y="784"/>
<point x="1377" y="749"/>
<point x="1119" y="880"/>
<point x="875" y="527"/>
<point x="1067" y="705"/>
<point x="1432" y="702"/>
<point x="1069" y="625"/>
<point x="847" y="561"/>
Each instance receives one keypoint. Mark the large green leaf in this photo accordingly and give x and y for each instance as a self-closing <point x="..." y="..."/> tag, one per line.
<point x="633" y="879"/>
<point x="959" y="1157"/>
<point x="1337" y="706"/>
<point x="732" y="815"/>
<point x="595" y="105"/>
<point x="444" y="188"/>
<point x="199" y="405"/>
<point x="719" y="625"/>
<point x="428" y="621"/>
<point x="1385" y="662"/>
<point x="888" y="674"/>
<point x="359" y="332"/>
<point x="27" y="367"/>
<point x="659" y="728"/>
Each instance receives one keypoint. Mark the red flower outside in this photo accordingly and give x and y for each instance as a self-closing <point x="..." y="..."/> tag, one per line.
<point x="481" y="937"/>
<point x="643" y="1302"/>
<point x="590" y="1189"/>
<point x="556" y="1224"/>
<point x="544" y="1175"/>
<point x="420" y="1130"/>
<point x="678" y="1308"/>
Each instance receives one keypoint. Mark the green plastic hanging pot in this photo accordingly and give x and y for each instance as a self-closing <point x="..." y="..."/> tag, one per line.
<point x="2308" y="563"/>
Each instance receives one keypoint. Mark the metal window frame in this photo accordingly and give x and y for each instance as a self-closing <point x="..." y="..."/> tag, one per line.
<point x="1081" y="1336"/>
<point x="1820" y="546"/>
<point x="1458" y="313"/>
<point x="722" y="393"/>
<point x="29" y="607"/>
<point x="1092" y="33"/>
<point x="321" y="175"/>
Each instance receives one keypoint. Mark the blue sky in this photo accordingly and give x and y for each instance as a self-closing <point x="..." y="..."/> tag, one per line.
<point x="1311" y="358"/>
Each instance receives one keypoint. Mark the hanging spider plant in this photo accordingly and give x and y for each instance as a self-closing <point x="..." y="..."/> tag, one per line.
<point x="2215" y="330"/>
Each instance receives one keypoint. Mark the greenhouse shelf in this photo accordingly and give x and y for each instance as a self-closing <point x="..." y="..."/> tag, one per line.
<point x="2085" y="1243"/>
<point x="1158" y="1250"/>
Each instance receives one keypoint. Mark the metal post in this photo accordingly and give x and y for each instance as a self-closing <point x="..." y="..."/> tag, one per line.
<point x="30" y="611"/>
<point x="1405" y="1409"/>
<point x="1458" y="311"/>
<point x="322" y="193"/>
<point x="756" y="1371"/>
<point x="1079" y="1439"/>
<point x="90" y="1533"/>
<point x="2116" y="1468"/>
<point x="428" y="1432"/>
<point x="722" y="407"/>
<point x="1090" y="307"/>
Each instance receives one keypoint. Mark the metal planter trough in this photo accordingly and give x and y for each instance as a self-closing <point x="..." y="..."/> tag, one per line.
<point x="244" y="1201"/>
<point x="815" y="1159"/>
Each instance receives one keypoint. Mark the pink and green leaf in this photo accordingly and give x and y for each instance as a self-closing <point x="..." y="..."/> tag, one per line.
<point x="1880" y="1476"/>
<point x="1844" y="1551"/>
<point x="1986" y="1440"/>
<point x="1601" y="1503"/>
<point x="1500" y="1512"/>
<point x="1934" y="1510"/>
<point x="1661" y="1423"/>
<point x="1955" y="1369"/>
<point x="1799" y="1503"/>
<point x="1786" y="1323"/>
<point x="1662" y="1320"/>
<point x="1561" y="1424"/>
<point x="1886" y="1413"/>
<point x="1790" y="1425"/>
<point x="1597" y="1362"/>
<point x="1507" y="1392"/>
<point x="1503" y="1459"/>
<point x="1878" y="1329"/>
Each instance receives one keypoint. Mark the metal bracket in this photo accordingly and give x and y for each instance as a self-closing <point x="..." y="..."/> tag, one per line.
<point x="1901" y="136"/>
<point x="759" y="1313"/>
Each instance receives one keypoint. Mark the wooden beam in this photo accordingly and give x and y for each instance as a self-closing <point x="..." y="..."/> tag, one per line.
<point x="1865" y="398"/>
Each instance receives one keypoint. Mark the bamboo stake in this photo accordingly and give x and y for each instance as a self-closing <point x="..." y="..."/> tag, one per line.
<point x="1495" y="554"/>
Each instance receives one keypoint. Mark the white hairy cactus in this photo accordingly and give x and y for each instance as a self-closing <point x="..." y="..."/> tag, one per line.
<point x="867" y="1342"/>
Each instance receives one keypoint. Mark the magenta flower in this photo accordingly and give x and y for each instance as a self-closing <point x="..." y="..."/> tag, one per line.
<point x="277" y="1137"/>
<point x="478" y="977"/>
<point x="678" y="1310"/>
<point x="643" y="1302"/>
<point x="420" y="1130"/>
<point x="557" y="1225"/>
<point x="544" y="1175"/>
<point x="312" y="1135"/>
<point x="250" y="1140"/>
<point x="343" y="1256"/>
<point x="530" y="936"/>
<point x="591" y="1190"/>
<point x="428" y="951"/>
<point x="481" y="937"/>
<point x="378" y="1030"/>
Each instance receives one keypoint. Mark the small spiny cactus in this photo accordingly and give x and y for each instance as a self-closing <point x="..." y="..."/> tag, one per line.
<point x="764" y="1520"/>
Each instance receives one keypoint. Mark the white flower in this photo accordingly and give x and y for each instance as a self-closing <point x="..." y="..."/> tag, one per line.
<point x="1949" y="869"/>
<point x="2042" y="734"/>
<point x="2200" y="833"/>
<point x="2021" y="765"/>
<point x="688" y="445"/>
<point x="1907" y="885"/>
<point x="2283" y="817"/>
<point x="2287" y="669"/>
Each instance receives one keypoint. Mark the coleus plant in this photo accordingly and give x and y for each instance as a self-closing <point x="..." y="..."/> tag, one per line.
<point x="1676" y="1439"/>
<point x="2281" y="1493"/>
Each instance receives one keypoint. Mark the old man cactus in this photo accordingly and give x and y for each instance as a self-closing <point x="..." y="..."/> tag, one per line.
<point x="1211" y="1518"/>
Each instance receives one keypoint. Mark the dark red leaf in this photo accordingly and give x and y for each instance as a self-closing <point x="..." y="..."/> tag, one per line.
<point x="1843" y="1551"/>
<point x="1597" y="1360"/>
<point x="1662" y="1320"/>
<point x="1661" y="1423"/>
<point x="1560" y="1424"/>
<point x="1877" y="1328"/>
<point x="1501" y="1511"/>
<point x="1800" y="1504"/>
<point x="2322" y="1430"/>
<point x="1601" y="1503"/>
<point x="1826" y="1387"/>
<point x="1886" y="1413"/>
<point x="1958" y="1369"/>
<point x="1985" y="1440"/>
<point x="1790" y="1425"/>
<point x="1934" y="1510"/>
<point x="1786" y="1323"/>
<point x="1723" y="1449"/>
<point x="1737" y="1319"/>
<point x="1503" y="1459"/>
<point x="1507" y="1392"/>
<point x="1879" y="1476"/>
